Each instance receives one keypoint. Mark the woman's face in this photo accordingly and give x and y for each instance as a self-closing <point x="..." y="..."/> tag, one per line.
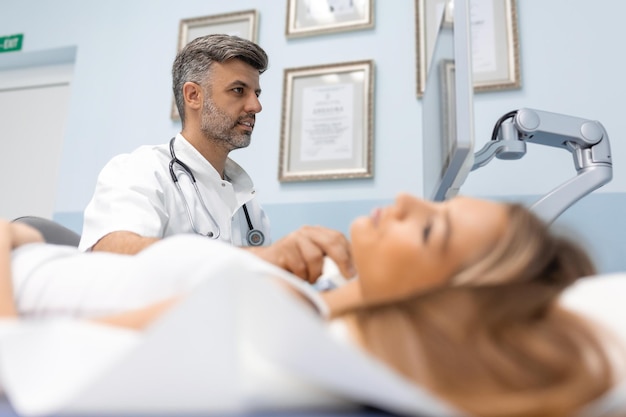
<point x="414" y="245"/>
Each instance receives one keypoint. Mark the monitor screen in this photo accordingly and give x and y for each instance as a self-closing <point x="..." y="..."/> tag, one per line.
<point x="447" y="108"/>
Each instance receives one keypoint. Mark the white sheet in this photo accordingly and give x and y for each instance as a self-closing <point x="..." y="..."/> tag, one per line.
<point x="238" y="344"/>
<point x="601" y="299"/>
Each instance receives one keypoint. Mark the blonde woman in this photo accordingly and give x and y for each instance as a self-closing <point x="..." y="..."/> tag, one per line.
<point x="460" y="297"/>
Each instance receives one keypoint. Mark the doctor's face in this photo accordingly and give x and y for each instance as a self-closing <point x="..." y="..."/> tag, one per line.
<point x="231" y="103"/>
<point x="414" y="245"/>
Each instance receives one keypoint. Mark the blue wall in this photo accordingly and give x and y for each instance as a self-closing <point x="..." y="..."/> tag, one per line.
<point x="570" y="63"/>
<point x="594" y="221"/>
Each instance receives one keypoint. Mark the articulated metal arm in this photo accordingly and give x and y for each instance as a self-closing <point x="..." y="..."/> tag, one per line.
<point x="587" y="140"/>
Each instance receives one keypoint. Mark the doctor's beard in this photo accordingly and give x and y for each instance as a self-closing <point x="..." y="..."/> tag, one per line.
<point x="217" y="125"/>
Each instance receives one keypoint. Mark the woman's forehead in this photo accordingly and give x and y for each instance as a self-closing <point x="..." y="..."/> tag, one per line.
<point x="476" y="206"/>
<point x="477" y="220"/>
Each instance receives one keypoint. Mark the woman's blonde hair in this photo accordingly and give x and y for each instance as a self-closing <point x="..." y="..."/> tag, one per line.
<point x="494" y="341"/>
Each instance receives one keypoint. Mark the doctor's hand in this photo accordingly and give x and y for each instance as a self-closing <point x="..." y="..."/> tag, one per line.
<point x="302" y="252"/>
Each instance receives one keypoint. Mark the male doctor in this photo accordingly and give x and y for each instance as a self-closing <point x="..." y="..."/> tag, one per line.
<point x="190" y="185"/>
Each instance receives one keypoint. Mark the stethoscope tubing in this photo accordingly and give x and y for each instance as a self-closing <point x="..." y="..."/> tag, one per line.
<point x="254" y="237"/>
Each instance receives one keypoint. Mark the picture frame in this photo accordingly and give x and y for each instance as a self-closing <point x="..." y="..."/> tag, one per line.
<point x="447" y="86"/>
<point x="316" y="17"/>
<point x="240" y="23"/>
<point x="327" y="122"/>
<point x="495" y="41"/>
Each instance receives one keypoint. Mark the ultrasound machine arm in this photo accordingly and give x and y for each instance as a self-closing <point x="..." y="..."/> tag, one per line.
<point x="587" y="140"/>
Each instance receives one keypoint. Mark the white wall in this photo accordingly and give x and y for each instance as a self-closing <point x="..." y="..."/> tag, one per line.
<point x="570" y="63"/>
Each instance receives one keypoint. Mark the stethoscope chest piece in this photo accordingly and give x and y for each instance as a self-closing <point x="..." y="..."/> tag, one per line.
<point x="255" y="237"/>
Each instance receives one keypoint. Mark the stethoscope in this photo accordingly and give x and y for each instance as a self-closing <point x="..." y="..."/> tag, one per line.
<point x="254" y="237"/>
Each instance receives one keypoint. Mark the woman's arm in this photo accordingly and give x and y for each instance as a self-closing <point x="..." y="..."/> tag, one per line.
<point x="16" y="234"/>
<point x="12" y="235"/>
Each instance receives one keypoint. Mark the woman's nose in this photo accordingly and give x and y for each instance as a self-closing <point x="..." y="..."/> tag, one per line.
<point x="407" y="202"/>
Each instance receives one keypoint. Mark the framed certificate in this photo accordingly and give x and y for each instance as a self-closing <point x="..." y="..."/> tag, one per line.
<point x="315" y="17"/>
<point x="327" y="122"/>
<point x="495" y="41"/>
<point x="242" y="24"/>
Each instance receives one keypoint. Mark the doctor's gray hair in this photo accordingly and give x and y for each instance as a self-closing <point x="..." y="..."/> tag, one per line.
<point x="194" y="61"/>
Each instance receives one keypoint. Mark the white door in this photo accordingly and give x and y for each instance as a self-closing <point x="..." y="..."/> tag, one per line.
<point x="33" y="112"/>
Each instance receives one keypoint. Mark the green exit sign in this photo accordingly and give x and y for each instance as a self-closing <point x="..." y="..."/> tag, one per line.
<point x="11" y="43"/>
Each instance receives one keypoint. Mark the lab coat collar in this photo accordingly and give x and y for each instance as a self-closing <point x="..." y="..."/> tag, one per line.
<point x="204" y="171"/>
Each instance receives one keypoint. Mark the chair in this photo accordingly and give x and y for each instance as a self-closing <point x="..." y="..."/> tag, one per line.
<point x="52" y="231"/>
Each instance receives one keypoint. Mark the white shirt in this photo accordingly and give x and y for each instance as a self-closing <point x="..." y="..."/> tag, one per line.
<point x="135" y="192"/>
<point x="54" y="280"/>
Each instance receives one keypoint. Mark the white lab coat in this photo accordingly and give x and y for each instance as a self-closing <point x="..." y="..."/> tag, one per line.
<point x="135" y="193"/>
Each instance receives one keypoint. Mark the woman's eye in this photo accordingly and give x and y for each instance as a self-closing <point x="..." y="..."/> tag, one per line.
<point x="427" y="229"/>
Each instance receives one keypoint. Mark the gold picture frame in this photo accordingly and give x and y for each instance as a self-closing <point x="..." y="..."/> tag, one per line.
<point x="327" y="122"/>
<point x="316" y="17"/>
<point x="495" y="41"/>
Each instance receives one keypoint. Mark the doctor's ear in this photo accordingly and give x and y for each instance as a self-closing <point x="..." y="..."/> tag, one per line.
<point x="192" y="93"/>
